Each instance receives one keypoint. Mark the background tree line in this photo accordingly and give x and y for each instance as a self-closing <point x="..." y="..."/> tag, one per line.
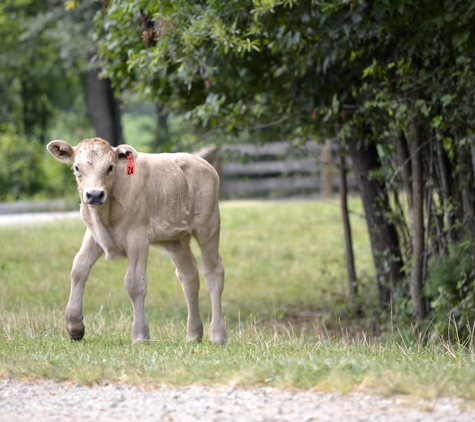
<point x="391" y="82"/>
<point x="48" y="72"/>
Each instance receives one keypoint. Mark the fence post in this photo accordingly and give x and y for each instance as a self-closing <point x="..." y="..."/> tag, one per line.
<point x="326" y="160"/>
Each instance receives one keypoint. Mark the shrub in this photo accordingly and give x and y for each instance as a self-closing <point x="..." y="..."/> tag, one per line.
<point x="21" y="167"/>
<point x="451" y="287"/>
<point x="60" y="181"/>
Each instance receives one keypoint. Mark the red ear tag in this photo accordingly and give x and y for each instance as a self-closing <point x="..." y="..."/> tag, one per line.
<point x="130" y="169"/>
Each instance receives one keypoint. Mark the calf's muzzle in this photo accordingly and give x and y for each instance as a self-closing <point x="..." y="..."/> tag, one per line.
<point x="95" y="197"/>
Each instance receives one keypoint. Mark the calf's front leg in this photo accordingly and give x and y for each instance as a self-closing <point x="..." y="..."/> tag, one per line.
<point x="136" y="287"/>
<point x="86" y="257"/>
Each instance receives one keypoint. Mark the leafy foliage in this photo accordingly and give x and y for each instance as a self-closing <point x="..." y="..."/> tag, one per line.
<point x="42" y="67"/>
<point x="34" y="80"/>
<point x="21" y="167"/>
<point x="451" y="286"/>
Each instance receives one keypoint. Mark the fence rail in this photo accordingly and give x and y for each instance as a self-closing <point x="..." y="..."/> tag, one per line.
<point x="267" y="167"/>
<point x="276" y="168"/>
<point x="272" y="148"/>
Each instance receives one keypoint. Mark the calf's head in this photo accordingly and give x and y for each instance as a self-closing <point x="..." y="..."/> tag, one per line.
<point x="96" y="165"/>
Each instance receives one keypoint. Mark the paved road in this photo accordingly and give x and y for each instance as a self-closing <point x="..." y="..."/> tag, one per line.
<point x="11" y="219"/>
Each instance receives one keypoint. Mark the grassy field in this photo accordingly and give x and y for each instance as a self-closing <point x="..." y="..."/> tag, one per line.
<point x="285" y="292"/>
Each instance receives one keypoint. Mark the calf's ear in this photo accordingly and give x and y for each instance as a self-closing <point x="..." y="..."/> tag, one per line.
<point x="123" y="152"/>
<point x="62" y="151"/>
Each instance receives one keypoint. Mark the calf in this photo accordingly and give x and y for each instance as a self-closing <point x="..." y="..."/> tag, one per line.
<point x="131" y="200"/>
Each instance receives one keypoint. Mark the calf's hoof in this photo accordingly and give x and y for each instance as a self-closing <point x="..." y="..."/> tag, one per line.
<point x="194" y="331"/>
<point x="140" y="334"/>
<point x="217" y="332"/>
<point x="218" y="340"/>
<point x="140" y="341"/>
<point x="75" y="326"/>
<point x="190" y="338"/>
<point x="76" y="336"/>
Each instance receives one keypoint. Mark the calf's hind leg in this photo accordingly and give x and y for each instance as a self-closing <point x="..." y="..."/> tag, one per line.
<point x="187" y="273"/>
<point x="213" y="271"/>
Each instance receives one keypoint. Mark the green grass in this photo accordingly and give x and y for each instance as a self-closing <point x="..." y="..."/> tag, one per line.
<point x="281" y="259"/>
<point x="33" y="346"/>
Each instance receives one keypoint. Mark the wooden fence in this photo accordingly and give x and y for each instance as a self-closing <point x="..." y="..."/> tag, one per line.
<point x="276" y="169"/>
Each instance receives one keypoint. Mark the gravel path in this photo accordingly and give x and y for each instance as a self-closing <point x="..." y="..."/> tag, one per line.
<point x="52" y="401"/>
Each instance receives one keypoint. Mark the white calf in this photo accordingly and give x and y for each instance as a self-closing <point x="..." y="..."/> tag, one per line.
<point x="131" y="200"/>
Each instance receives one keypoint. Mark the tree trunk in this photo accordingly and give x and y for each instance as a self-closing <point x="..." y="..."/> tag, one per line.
<point x="103" y="107"/>
<point x="465" y="154"/>
<point x="427" y="234"/>
<point x="404" y="161"/>
<point x="465" y="179"/>
<point x="350" y="260"/>
<point x="326" y="170"/>
<point x="417" y="223"/>
<point x="472" y="152"/>
<point x="456" y="181"/>
<point x="383" y="235"/>
<point x="163" y="133"/>
<point x="444" y="170"/>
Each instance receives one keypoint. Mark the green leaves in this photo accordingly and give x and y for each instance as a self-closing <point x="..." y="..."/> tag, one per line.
<point x="21" y="170"/>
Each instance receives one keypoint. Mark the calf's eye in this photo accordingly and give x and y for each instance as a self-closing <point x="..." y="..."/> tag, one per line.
<point x="111" y="167"/>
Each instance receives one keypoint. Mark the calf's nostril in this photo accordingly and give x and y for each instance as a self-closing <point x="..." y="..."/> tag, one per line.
<point x="95" y="197"/>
